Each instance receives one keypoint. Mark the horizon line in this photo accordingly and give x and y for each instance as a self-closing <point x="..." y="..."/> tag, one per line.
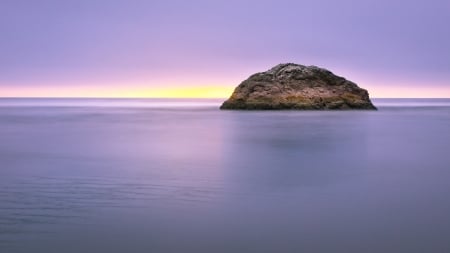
<point x="138" y="97"/>
<point x="193" y="92"/>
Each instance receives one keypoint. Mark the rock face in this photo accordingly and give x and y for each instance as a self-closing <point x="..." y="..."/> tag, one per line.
<point x="293" y="86"/>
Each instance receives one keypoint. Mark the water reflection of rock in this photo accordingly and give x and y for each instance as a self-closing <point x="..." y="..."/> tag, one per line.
<point x="294" y="149"/>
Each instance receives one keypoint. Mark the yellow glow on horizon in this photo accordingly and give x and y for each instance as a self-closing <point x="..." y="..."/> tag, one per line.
<point x="218" y="91"/>
<point x="120" y="92"/>
<point x="186" y="92"/>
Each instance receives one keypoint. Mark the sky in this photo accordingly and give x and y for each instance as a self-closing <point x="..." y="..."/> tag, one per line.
<point x="204" y="48"/>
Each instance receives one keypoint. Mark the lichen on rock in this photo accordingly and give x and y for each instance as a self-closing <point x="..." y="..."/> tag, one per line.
<point x="298" y="87"/>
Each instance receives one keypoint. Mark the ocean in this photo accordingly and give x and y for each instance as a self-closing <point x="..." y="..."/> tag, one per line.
<point x="158" y="175"/>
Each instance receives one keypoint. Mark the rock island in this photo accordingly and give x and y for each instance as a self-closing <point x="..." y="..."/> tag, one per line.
<point x="298" y="87"/>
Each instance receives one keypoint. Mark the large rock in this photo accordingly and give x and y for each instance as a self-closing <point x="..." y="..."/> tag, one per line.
<point x="293" y="86"/>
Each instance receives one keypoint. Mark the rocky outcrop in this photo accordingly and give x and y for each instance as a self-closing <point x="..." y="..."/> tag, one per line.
<point x="293" y="86"/>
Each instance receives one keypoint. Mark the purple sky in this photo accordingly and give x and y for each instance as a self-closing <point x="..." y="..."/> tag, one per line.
<point x="156" y="43"/>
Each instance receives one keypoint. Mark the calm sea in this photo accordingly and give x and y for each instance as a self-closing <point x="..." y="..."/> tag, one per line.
<point x="115" y="175"/>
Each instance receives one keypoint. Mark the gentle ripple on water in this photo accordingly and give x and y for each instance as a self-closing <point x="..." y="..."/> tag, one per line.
<point x="29" y="203"/>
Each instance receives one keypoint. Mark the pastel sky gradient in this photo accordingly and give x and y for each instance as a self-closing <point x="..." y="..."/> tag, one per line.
<point x="204" y="48"/>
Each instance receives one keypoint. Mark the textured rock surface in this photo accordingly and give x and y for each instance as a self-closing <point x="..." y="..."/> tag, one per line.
<point x="293" y="86"/>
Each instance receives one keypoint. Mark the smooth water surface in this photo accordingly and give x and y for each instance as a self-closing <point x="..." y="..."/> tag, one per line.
<point x="93" y="175"/>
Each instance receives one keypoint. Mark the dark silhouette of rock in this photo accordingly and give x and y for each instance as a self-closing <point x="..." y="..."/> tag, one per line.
<point x="293" y="86"/>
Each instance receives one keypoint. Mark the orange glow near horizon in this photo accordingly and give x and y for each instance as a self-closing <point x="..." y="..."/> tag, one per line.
<point x="219" y="91"/>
